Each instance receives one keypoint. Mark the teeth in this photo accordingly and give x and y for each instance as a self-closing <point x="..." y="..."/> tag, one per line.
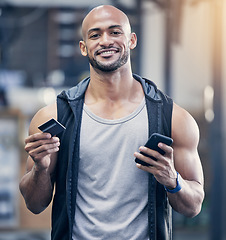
<point x="108" y="52"/>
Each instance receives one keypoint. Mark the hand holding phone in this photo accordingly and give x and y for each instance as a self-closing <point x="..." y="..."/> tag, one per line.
<point x="152" y="143"/>
<point x="52" y="126"/>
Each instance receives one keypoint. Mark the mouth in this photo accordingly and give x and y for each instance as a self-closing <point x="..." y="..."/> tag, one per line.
<point x="107" y="52"/>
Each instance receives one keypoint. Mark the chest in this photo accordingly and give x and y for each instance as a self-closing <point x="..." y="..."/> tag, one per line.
<point x="113" y="110"/>
<point x="108" y="145"/>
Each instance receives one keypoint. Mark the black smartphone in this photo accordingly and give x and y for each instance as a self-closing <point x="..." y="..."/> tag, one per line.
<point x="52" y="126"/>
<point x="152" y="143"/>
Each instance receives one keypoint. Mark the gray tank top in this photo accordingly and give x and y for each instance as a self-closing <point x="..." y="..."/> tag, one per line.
<point x="112" y="192"/>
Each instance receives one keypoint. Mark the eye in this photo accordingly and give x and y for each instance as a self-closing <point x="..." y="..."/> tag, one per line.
<point x="94" y="35"/>
<point x="116" y="33"/>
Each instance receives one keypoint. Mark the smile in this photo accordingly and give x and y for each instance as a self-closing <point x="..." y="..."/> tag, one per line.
<point x="107" y="52"/>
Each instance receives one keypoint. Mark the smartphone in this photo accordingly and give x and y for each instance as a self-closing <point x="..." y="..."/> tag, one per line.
<point x="152" y="143"/>
<point x="52" y="126"/>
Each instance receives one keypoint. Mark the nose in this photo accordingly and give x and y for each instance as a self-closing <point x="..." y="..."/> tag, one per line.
<point x="106" y="40"/>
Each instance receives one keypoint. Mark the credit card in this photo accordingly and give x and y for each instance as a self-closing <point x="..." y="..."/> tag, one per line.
<point x="52" y="126"/>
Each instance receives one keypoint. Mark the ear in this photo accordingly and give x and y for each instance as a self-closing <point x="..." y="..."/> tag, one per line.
<point x="83" y="49"/>
<point x="133" y="40"/>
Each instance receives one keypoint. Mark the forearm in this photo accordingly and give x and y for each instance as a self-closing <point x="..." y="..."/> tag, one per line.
<point x="188" y="201"/>
<point x="36" y="188"/>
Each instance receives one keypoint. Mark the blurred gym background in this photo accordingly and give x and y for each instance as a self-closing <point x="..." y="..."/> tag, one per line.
<point x="181" y="47"/>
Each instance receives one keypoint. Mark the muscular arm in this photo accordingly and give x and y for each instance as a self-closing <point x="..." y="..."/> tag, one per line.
<point x="182" y="157"/>
<point x="187" y="162"/>
<point x="36" y="185"/>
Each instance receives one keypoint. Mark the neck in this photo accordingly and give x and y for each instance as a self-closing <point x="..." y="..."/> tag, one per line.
<point x="113" y="95"/>
<point x="114" y="85"/>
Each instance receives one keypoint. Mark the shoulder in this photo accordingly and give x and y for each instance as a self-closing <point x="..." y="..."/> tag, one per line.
<point x="185" y="130"/>
<point x="43" y="115"/>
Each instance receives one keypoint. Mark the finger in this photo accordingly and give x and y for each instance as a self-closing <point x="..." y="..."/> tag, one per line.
<point x="44" y="148"/>
<point x="42" y="151"/>
<point x="36" y="144"/>
<point x="154" y="155"/>
<point x="144" y="158"/>
<point x="167" y="149"/>
<point x="146" y="151"/>
<point x="150" y="169"/>
<point x="37" y="136"/>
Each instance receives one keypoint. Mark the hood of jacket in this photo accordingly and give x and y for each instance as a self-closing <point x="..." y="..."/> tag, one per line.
<point x="78" y="91"/>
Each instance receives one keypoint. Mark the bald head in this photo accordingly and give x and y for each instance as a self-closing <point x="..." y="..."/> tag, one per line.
<point x="101" y="14"/>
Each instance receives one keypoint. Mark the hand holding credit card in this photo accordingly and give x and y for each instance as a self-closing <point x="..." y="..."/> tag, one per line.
<point x="52" y="126"/>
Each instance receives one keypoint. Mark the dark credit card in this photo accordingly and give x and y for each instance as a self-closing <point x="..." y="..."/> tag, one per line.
<point x="52" y="126"/>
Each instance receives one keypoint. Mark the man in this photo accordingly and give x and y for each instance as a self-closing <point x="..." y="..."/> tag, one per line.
<point x="100" y="192"/>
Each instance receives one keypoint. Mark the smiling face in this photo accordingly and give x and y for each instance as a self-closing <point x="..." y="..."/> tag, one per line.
<point x="107" y="38"/>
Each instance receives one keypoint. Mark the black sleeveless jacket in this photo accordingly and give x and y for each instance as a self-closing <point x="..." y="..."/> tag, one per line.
<point x="69" y="107"/>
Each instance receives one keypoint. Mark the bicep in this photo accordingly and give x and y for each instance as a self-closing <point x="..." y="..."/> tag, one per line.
<point x="39" y="118"/>
<point x="185" y="133"/>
